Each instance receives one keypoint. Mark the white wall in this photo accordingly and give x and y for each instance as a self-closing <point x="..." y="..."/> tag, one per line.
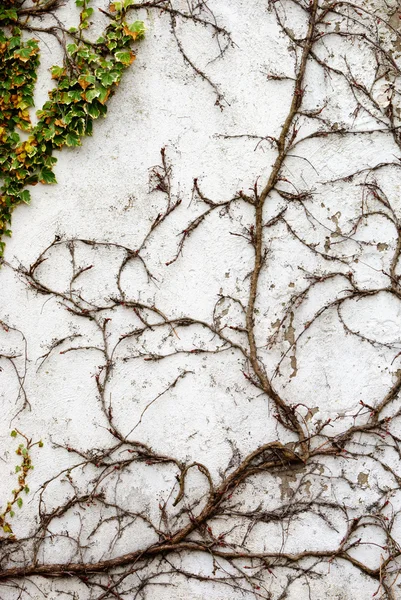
<point x="213" y="413"/>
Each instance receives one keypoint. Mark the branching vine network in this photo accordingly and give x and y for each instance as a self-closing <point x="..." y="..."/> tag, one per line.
<point x="216" y="528"/>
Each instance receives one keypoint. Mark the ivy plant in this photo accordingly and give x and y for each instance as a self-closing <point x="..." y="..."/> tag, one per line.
<point x="84" y="83"/>
<point x="22" y="470"/>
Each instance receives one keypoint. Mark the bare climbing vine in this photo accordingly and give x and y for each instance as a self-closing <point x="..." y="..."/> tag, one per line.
<point x="217" y="534"/>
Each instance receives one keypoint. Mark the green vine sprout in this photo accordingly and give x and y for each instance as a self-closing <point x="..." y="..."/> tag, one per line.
<point x="84" y="83"/>
<point x="23" y="450"/>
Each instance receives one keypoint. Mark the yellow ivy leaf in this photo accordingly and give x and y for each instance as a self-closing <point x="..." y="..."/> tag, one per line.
<point x="104" y="100"/>
<point x="24" y="114"/>
<point x="133" y="34"/>
<point x="83" y="83"/>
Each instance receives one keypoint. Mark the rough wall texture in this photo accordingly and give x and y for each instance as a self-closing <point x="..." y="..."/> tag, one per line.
<point x="327" y="318"/>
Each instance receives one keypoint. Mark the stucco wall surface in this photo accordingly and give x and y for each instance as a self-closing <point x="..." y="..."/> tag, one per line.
<point x="328" y="355"/>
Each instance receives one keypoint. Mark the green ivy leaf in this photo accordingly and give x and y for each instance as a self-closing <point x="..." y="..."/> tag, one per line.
<point x="93" y="111"/>
<point x="72" y="48"/>
<point x="137" y="28"/>
<point x="90" y="95"/>
<point x="107" y="79"/>
<point x="57" y="71"/>
<point x="23" y="54"/>
<point x="85" y="14"/>
<point x="116" y="7"/>
<point x="47" y="176"/>
<point x="75" y="95"/>
<point x="72" y="140"/>
<point x="124" y="56"/>
<point x="25" y="196"/>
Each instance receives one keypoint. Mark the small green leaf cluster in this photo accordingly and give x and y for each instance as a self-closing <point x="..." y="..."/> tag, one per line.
<point x="22" y="470"/>
<point x="8" y="12"/>
<point x="84" y="83"/>
<point x="18" y="72"/>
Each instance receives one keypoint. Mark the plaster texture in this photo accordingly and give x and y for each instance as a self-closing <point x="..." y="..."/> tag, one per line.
<point x="214" y="414"/>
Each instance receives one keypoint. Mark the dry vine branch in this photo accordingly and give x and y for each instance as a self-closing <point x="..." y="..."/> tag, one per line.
<point x="216" y="520"/>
